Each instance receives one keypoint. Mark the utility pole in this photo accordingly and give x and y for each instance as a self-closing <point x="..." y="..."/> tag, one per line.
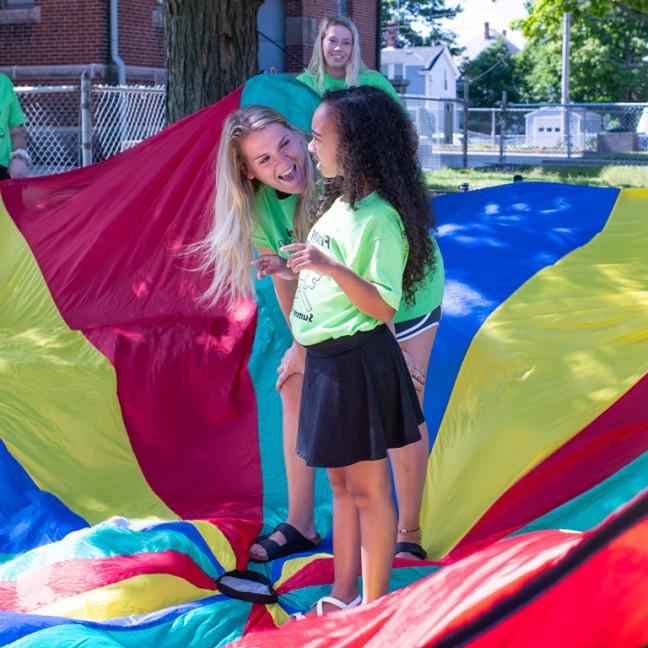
<point x="464" y="142"/>
<point x="502" y="144"/>
<point x="564" y="95"/>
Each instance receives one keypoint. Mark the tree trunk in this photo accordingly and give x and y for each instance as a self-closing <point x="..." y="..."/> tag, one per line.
<point x="212" y="47"/>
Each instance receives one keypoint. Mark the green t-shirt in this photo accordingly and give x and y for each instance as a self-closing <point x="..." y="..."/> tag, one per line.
<point x="429" y="293"/>
<point x="370" y="241"/>
<point x="365" y="78"/>
<point x="275" y="229"/>
<point x="11" y="115"/>
<point x="274" y="219"/>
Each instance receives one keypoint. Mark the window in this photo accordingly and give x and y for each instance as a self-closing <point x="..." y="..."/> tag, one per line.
<point x="16" y="4"/>
<point x="385" y="70"/>
<point x="19" y="11"/>
<point x="557" y="129"/>
<point x="445" y="79"/>
<point x="541" y="129"/>
<point x="398" y="70"/>
<point x="342" y="7"/>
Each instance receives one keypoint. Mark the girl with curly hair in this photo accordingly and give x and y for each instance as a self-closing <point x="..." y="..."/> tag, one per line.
<point x="336" y="63"/>
<point x="366" y="252"/>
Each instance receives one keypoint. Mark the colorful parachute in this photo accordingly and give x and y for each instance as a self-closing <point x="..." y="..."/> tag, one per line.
<point x="140" y="432"/>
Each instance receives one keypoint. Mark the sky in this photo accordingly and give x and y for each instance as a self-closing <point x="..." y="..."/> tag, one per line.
<point x="469" y="24"/>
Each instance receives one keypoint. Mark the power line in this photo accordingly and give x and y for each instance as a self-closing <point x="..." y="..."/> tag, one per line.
<point x="490" y="69"/>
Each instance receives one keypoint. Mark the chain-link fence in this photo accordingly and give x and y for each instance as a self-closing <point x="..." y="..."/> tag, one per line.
<point x="52" y="126"/>
<point x="74" y="125"/>
<point x="439" y="124"/>
<point x="124" y="116"/>
<point x="452" y="135"/>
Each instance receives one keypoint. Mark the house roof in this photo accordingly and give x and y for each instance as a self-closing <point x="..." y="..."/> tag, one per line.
<point x="423" y="57"/>
<point x="477" y="45"/>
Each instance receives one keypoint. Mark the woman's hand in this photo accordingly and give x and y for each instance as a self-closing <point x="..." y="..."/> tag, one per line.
<point x="416" y="372"/>
<point x="308" y="257"/>
<point x="272" y="264"/>
<point x="18" y="168"/>
<point x="292" y="363"/>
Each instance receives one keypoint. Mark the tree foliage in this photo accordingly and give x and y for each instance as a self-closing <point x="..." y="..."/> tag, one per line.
<point x="609" y="45"/>
<point x="550" y="12"/>
<point x="491" y="73"/>
<point x="418" y="21"/>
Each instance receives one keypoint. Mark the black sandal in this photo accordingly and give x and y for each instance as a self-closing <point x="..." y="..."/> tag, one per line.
<point x="295" y="543"/>
<point x="412" y="548"/>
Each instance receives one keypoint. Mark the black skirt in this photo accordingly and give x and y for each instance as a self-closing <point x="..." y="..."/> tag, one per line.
<point x="357" y="400"/>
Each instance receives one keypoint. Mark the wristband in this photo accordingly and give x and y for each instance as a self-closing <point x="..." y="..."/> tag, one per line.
<point x="21" y="154"/>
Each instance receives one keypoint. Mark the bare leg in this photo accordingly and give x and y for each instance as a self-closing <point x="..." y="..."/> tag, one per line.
<point x="299" y="476"/>
<point x="346" y="542"/>
<point x="364" y="528"/>
<point x="409" y="463"/>
<point x="368" y="484"/>
<point x="346" y="539"/>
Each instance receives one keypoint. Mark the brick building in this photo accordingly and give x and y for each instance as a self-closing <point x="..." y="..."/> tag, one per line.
<point x="54" y="41"/>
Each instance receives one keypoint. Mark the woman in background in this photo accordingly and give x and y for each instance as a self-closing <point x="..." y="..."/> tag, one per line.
<point x="336" y="63"/>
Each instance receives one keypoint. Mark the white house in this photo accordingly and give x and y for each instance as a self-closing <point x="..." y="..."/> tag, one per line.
<point x="544" y="126"/>
<point x="431" y="71"/>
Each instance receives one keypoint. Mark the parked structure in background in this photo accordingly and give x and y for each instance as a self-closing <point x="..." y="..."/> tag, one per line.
<point x="545" y="127"/>
<point x="41" y="43"/>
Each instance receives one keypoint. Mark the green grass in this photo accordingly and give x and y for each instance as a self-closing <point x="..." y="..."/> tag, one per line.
<point x="596" y="176"/>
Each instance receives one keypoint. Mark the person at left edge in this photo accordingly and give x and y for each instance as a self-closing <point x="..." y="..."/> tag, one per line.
<point x="14" y="158"/>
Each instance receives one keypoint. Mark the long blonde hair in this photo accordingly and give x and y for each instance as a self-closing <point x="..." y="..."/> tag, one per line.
<point x="317" y="64"/>
<point x="227" y="250"/>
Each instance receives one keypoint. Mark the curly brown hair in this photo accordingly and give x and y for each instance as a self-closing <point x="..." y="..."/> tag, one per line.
<point x="377" y="148"/>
